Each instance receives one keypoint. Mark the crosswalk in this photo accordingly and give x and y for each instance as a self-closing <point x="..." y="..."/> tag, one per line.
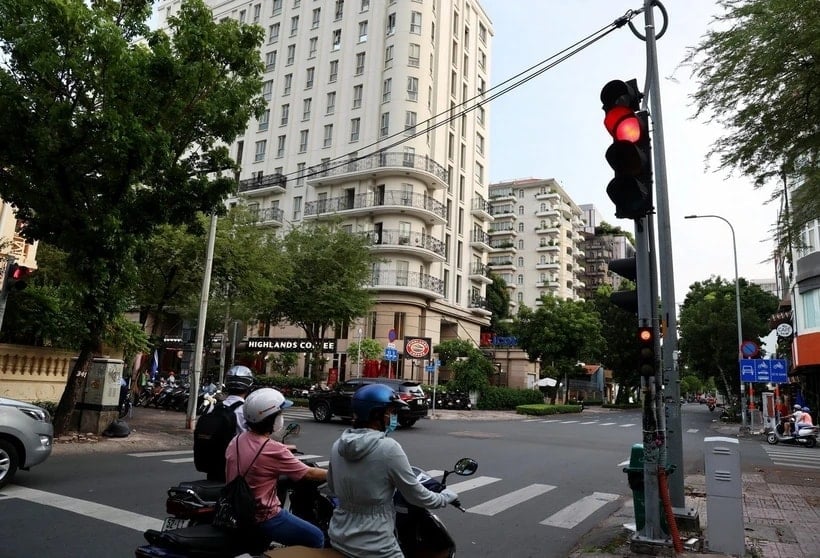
<point x="486" y="495"/>
<point x="596" y="422"/>
<point x="791" y="456"/>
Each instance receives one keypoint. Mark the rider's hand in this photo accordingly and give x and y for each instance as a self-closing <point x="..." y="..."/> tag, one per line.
<point x="291" y="447"/>
<point x="449" y="496"/>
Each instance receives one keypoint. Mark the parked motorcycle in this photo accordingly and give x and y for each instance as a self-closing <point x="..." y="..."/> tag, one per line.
<point x="806" y="436"/>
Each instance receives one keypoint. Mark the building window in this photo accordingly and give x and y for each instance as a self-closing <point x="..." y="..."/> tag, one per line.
<point x="257" y="10"/>
<point x="294" y="25"/>
<point x="337" y="39"/>
<point x="283" y="121"/>
<point x="270" y="61"/>
<point x="277" y="7"/>
<point x="811" y="308"/>
<point x="359" y="63"/>
<point x="357" y="96"/>
<point x="414" y="55"/>
<point x="384" y="126"/>
<point x="260" y="150"/>
<point x="363" y="31"/>
<point x="334" y="71"/>
<point x="479" y="143"/>
<point x="288" y="84"/>
<point x="309" y="78"/>
<point x="415" y="23"/>
<point x="312" y="46"/>
<point x="340" y="6"/>
<point x="328" y="140"/>
<point x="291" y="55"/>
<point x="365" y="5"/>
<point x="355" y="125"/>
<point x="386" y="87"/>
<point x="412" y="89"/>
<point x="267" y="90"/>
<point x="306" y="105"/>
<point x="520" y="261"/>
<point x="520" y="227"/>
<point x="410" y="122"/>
<point x="521" y="244"/>
<point x="280" y="146"/>
<point x="300" y="174"/>
<point x="317" y="14"/>
<point x="264" y="118"/>
<point x="388" y="56"/>
<point x="297" y="208"/>
<point x="409" y="159"/>
<point x="521" y="210"/>
<point x="331" y="103"/>
<point x="241" y="16"/>
<point x="391" y="23"/>
<point x="303" y="141"/>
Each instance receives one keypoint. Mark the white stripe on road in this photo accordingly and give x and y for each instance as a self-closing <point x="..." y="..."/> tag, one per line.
<point x="303" y="457"/>
<point x="179" y="460"/>
<point x="531" y="420"/>
<point x="93" y="510"/>
<point x="551" y="420"/>
<point x="497" y="505"/>
<point x="160" y="453"/>
<point x="568" y="421"/>
<point x="322" y="463"/>
<point x="624" y="463"/>
<point x="434" y="472"/>
<point x="607" y="423"/>
<point x="477" y="482"/>
<point x="692" y="430"/>
<point x="575" y="513"/>
<point x="627" y="425"/>
<point x="590" y="422"/>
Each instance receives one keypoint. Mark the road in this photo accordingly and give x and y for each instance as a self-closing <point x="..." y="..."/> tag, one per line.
<point x="541" y="484"/>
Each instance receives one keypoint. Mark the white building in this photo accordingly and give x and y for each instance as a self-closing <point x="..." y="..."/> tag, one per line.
<point x="366" y="124"/>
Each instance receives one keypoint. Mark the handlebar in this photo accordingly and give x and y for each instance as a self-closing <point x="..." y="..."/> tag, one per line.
<point x="457" y="504"/>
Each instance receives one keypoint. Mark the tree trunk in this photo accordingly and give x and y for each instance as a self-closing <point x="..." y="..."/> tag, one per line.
<point x="74" y="386"/>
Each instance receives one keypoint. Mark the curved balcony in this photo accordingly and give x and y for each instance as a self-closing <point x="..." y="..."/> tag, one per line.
<point x="410" y="282"/>
<point x="416" y="243"/>
<point x="502" y="229"/>
<point x="549" y="212"/>
<point x="480" y="241"/>
<point x="262" y="185"/>
<point x="548" y="230"/>
<point x="478" y="273"/>
<point x="501" y="264"/>
<point x="378" y="163"/>
<point x="478" y="305"/>
<point x="481" y="209"/>
<point x="548" y="248"/>
<point x="270" y="217"/>
<point x="391" y="201"/>
<point x="547" y="195"/>
<point x="548" y="265"/>
<point x="500" y="195"/>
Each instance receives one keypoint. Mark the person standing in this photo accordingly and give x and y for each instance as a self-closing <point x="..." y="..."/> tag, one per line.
<point x="366" y="468"/>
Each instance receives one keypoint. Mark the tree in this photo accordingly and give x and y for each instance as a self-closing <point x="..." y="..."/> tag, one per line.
<point x="708" y="328"/>
<point x="619" y="353"/>
<point x="117" y="130"/>
<point x="757" y="77"/>
<point x="559" y="332"/>
<point x="605" y="229"/>
<point x="370" y="349"/>
<point x="329" y="285"/>
<point x="472" y="373"/>
<point x="452" y="349"/>
<point x="498" y="302"/>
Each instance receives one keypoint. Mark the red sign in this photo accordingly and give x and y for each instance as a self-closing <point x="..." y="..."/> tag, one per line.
<point x="332" y="376"/>
<point x="417" y="347"/>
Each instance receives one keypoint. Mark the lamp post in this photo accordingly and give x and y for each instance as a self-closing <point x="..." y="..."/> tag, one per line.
<point x="359" y="356"/>
<point x="737" y="309"/>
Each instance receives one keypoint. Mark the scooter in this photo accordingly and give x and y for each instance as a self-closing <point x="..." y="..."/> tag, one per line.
<point x="806" y="436"/>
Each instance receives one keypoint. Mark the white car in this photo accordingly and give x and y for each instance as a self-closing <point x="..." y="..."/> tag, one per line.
<point x="26" y="437"/>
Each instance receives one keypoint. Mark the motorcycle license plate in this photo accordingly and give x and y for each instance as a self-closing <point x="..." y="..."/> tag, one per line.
<point x="171" y="523"/>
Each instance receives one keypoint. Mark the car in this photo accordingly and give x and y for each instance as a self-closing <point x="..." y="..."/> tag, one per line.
<point x="26" y="437"/>
<point x="337" y="402"/>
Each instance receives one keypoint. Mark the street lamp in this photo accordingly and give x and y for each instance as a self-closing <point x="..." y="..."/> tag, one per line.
<point x="737" y="309"/>
<point x="359" y="356"/>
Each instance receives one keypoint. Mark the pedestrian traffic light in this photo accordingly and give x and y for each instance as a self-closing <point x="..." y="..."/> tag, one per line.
<point x="16" y="276"/>
<point x="630" y="154"/>
<point x="626" y="299"/>
<point x="647" y="363"/>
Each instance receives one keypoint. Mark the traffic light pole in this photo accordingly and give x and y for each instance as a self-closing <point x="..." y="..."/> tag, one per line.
<point x="670" y="374"/>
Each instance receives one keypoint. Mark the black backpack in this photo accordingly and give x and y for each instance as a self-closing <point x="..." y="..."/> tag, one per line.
<point x="236" y="506"/>
<point x="213" y="432"/>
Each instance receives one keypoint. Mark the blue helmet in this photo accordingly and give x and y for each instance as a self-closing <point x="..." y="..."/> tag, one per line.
<point x="806" y="410"/>
<point x="374" y="397"/>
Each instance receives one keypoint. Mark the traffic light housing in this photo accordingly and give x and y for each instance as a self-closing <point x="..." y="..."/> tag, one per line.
<point x="628" y="299"/>
<point x="630" y="154"/>
<point x="647" y="361"/>
<point x="16" y="276"/>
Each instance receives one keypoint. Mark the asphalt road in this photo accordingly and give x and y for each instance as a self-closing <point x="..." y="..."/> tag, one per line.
<point x="541" y="484"/>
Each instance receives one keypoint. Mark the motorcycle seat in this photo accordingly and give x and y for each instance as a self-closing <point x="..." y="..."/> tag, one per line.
<point x="205" y="541"/>
<point x="207" y="490"/>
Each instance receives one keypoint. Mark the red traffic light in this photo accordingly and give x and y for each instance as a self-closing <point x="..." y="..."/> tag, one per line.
<point x="647" y="361"/>
<point x="16" y="276"/>
<point x="645" y="335"/>
<point x="622" y="124"/>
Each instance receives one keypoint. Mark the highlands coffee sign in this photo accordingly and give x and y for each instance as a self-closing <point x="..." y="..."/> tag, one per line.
<point x="290" y="345"/>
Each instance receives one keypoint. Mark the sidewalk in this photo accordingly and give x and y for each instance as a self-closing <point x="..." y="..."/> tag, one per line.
<point x="781" y="506"/>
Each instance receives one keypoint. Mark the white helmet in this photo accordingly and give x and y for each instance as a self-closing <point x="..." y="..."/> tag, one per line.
<point x="263" y="403"/>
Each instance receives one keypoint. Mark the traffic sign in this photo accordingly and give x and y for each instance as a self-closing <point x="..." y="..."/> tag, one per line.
<point x="764" y="370"/>
<point x="391" y="354"/>
<point x="749" y="349"/>
<point x="430" y="368"/>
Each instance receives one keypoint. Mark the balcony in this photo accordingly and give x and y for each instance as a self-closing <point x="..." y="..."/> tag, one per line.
<point x="547" y="195"/>
<point x="481" y="209"/>
<point x="478" y="305"/>
<point x="478" y="273"/>
<point x="391" y="201"/>
<point x="551" y="230"/>
<point x="480" y="241"/>
<point x="548" y="265"/>
<point x="262" y="185"/>
<point x="378" y="163"/>
<point x="503" y="264"/>
<point x="270" y="217"/>
<point x="548" y="248"/>
<point x="503" y="196"/>
<point x="418" y="243"/>
<point x="547" y="212"/>
<point x="547" y="284"/>
<point x="502" y="229"/>
<point x="409" y="282"/>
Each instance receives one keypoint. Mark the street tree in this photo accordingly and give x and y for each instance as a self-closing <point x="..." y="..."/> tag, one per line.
<point x="619" y="350"/>
<point x="117" y="129"/>
<point x="369" y="349"/>
<point x="708" y="328"/>
<point x="498" y="302"/>
<point x="450" y="350"/>
<point x="756" y="75"/>
<point x="329" y="283"/>
<point x="560" y="333"/>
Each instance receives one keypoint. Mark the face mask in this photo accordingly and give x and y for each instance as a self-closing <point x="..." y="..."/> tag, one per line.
<point x="393" y="424"/>
<point x="279" y="422"/>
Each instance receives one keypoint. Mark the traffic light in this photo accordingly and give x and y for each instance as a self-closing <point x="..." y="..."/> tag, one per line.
<point x="647" y="363"/>
<point x="16" y="276"/>
<point x="626" y="268"/>
<point x="630" y="155"/>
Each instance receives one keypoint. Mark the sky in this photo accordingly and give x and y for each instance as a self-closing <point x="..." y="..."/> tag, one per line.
<point x="552" y="126"/>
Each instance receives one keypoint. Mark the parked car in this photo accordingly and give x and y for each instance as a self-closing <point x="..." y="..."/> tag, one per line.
<point x="26" y="437"/>
<point x="337" y="402"/>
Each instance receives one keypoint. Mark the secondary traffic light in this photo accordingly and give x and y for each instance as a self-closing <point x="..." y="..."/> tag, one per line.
<point x="647" y="362"/>
<point x="627" y="299"/>
<point x="630" y="154"/>
<point x="16" y="276"/>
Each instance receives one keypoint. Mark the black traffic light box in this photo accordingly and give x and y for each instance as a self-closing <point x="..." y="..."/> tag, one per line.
<point x="647" y="360"/>
<point x="628" y="299"/>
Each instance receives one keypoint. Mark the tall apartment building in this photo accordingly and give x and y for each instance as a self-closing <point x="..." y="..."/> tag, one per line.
<point x="600" y="250"/>
<point x="536" y="240"/>
<point x="365" y="126"/>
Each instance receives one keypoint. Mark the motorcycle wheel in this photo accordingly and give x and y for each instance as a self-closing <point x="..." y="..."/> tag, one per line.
<point x="321" y="413"/>
<point x="772" y="438"/>
<point x="811" y="442"/>
<point x="406" y="422"/>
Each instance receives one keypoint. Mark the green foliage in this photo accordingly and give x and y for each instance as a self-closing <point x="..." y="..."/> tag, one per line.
<point x="691" y="384"/>
<point x="370" y="350"/>
<point x="606" y="229"/>
<point x="472" y="373"/>
<point x="541" y="409"/>
<point x="283" y="383"/>
<point x="452" y="349"/>
<point x="498" y="302"/>
<point x="504" y="398"/>
<point x="618" y="330"/>
<point x="283" y="363"/>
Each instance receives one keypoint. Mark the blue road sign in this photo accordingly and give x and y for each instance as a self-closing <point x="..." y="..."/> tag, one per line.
<point x="391" y="354"/>
<point x="773" y="370"/>
<point x="430" y="368"/>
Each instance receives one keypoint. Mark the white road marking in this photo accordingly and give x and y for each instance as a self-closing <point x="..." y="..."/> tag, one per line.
<point x="530" y="420"/>
<point x="590" y="422"/>
<point x="568" y="421"/>
<point x="577" y="512"/>
<point x="93" y="510"/>
<point x="624" y="463"/>
<point x="161" y="453"/>
<point x="551" y="420"/>
<point x="434" y="472"/>
<point x="497" y="505"/>
<point x="179" y="460"/>
<point x="477" y="482"/>
<point x="322" y="463"/>
<point x="307" y="456"/>
<point x="627" y="425"/>
<point x="692" y="430"/>
<point x="607" y="423"/>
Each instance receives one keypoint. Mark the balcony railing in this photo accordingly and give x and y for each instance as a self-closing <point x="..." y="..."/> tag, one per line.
<point x="380" y="160"/>
<point x="480" y="204"/>
<point x="478" y="269"/>
<point x="269" y="214"/>
<point x="410" y="279"/>
<point x="481" y="236"/>
<point x="363" y="201"/>
<point x="262" y="182"/>
<point x="477" y="302"/>
<point x="396" y="237"/>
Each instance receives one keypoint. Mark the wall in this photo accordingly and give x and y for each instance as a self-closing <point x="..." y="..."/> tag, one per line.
<point x="33" y="373"/>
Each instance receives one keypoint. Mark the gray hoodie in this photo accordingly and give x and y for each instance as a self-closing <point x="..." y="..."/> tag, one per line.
<point x="365" y="469"/>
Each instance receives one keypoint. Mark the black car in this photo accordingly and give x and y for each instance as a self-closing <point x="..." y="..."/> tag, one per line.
<point x="337" y="402"/>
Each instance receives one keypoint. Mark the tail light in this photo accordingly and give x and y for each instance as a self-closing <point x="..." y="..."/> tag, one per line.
<point x="406" y="396"/>
<point x="187" y="510"/>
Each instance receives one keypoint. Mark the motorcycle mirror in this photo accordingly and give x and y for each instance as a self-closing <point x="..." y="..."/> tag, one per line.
<point x="292" y="429"/>
<point x="465" y="466"/>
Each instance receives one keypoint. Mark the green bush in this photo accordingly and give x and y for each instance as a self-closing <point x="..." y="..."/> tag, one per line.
<point x="503" y="398"/>
<point x="543" y="409"/>
<point x="621" y="405"/>
<point x="285" y="384"/>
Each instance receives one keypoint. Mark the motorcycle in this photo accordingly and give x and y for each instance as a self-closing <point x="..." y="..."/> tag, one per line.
<point x="806" y="436"/>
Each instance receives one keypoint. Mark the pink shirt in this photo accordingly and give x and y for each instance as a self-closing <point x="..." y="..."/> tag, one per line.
<point x="275" y="460"/>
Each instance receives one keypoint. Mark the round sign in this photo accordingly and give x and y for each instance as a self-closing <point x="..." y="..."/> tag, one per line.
<point x="749" y="349"/>
<point x="417" y="348"/>
<point x="391" y="335"/>
<point x="784" y="330"/>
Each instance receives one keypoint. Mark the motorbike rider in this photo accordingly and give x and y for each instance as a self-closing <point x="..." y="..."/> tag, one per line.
<point x="794" y="418"/>
<point x="805" y="420"/>
<point x="238" y="384"/>
<point x="366" y="468"/>
<point x="263" y="411"/>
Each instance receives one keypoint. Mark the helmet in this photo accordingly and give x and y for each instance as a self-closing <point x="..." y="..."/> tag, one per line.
<point x="263" y="403"/>
<point x="238" y="379"/>
<point x="374" y="397"/>
<point x="806" y="410"/>
<point x="797" y="408"/>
